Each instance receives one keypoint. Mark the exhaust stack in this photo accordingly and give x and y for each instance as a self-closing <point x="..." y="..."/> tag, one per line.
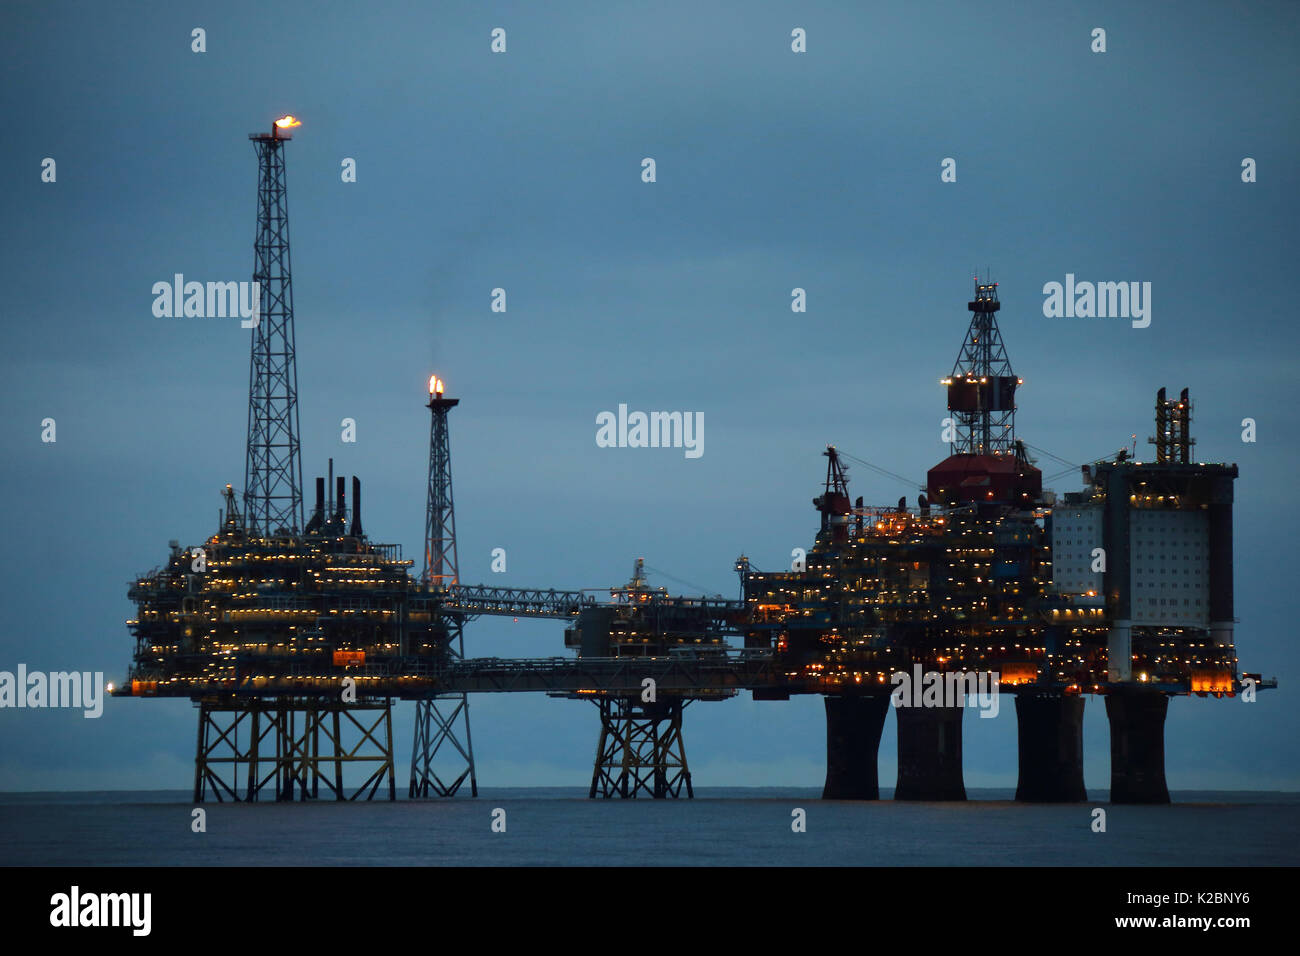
<point x="318" y="513"/>
<point x="355" y="531"/>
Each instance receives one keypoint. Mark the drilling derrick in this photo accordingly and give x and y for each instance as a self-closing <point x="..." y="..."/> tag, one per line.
<point x="273" y="468"/>
<point x="435" y="726"/>
<point x="982" y="387"/>
<point x="987" y="465"/>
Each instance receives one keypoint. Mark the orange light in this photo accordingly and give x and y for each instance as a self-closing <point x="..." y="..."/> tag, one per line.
<point x="287" y="122"/>
<point x="1019" y="672"/>
<point x="435" y="385"/>
<point x="1215" y="682"/>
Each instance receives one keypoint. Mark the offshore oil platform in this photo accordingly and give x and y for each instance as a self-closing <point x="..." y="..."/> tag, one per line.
<point x="294" y="635"/>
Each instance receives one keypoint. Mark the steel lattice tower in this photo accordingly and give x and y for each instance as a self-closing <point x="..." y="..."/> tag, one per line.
<point x="435" y="728"/>
<point x="273" y="469"/>
<point x="982" y="387"/>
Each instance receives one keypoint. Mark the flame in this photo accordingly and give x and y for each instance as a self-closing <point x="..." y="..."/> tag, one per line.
<point x="285" y="122"/>
<point x="435" y="385"/>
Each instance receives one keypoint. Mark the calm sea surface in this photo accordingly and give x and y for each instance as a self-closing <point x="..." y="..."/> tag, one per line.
<point x="725" y="826"/>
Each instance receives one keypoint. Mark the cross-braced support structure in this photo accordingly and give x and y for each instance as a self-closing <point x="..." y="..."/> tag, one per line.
<point x="273" y="468"/>
<point x="437" y="741"/>
<point x="435" y="728"/>
<point x="641" y="752"/>
<point x="248" y="749"/>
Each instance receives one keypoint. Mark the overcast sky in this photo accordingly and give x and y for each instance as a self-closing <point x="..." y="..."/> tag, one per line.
<point x="522" y="170"/>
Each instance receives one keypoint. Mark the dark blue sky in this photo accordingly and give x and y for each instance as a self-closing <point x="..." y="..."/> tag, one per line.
<point x="522" y="170"/>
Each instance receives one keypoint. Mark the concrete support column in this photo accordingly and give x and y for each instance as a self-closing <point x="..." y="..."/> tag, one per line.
<point x="929" y="754"/>
<point x="1137" y="747"/>
<point x="1051" y="748"/>
<point x="853" y="729"/>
